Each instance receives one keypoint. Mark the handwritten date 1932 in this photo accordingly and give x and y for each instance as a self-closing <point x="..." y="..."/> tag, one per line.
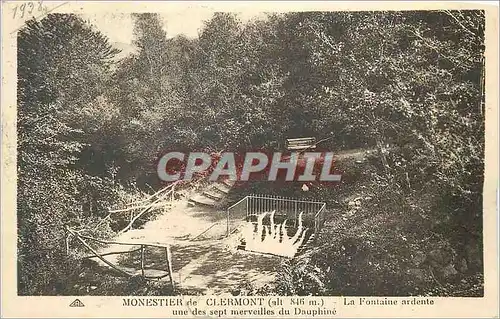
<point x="27" y="9"/>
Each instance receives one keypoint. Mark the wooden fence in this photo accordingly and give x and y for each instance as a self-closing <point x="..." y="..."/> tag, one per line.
<point x="161" y="199"/>
<point x="84" y="239"/>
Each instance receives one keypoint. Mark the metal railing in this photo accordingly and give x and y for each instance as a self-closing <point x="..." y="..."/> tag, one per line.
<point x="236" y="214"/>
<point x="286" y="208"/>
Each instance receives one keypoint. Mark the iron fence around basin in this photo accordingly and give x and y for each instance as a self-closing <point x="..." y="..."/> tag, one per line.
<point x="251" y="206"/>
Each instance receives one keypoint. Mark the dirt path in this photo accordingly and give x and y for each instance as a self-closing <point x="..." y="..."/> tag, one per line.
<point x="203" y="260"/>
<point x="206" y="264"/>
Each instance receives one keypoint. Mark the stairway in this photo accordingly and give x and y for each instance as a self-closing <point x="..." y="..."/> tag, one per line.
<point x="213" y="195"/>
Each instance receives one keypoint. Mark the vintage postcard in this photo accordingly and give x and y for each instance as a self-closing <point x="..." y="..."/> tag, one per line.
<point x="249" y="159"/>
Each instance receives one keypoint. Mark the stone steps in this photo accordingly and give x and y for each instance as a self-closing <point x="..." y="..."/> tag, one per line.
<point x="212" y="195"/>
<point x="201" y="200"/>
<point x="221" y="188"/>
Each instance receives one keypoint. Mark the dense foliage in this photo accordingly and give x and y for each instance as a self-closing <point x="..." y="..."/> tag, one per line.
<point x="409" y="84"/>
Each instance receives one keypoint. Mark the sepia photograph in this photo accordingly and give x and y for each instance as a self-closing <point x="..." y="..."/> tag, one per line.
<point x="398" y="96"/>
<point x="249" y="153"/>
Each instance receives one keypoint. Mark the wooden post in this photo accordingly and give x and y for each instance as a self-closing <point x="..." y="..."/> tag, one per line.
<point x="142" y="261"/>
<point x="169" y="265"/>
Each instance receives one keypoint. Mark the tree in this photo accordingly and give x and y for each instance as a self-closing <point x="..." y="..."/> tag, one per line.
<point x="62" y="68"/>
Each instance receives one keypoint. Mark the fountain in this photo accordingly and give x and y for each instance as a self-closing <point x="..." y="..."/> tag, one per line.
<point x="273" y="238"/>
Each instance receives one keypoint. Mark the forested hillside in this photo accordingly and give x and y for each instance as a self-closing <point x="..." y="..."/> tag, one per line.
<point x="409" y="84"/>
